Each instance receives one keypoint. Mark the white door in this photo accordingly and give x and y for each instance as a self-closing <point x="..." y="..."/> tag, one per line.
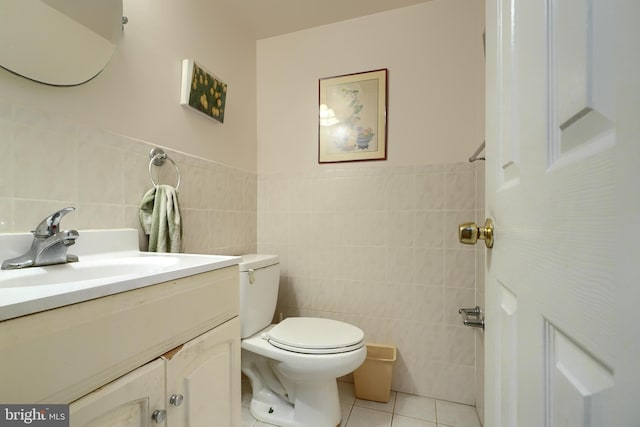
<point x="563" y="167"/>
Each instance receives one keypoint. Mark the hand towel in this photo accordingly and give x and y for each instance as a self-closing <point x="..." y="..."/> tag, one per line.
<point x="160" y="219"/>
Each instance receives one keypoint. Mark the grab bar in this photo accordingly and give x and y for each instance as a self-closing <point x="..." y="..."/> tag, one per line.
<point x="472" y="317"/>
<point x="474" y="156"/>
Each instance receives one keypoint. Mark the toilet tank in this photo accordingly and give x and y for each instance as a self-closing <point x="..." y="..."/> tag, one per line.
<point x="259" y="282"/>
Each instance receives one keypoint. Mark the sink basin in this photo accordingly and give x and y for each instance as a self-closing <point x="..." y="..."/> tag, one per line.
<point x="109" y="263"/>
<point x="91" y="268"/>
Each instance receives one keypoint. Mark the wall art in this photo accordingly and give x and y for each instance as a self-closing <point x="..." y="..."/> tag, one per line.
<point x="353" y="117"/>
<point x="203" y="91"/>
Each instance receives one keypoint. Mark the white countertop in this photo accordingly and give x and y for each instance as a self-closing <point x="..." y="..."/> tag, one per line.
<point x="109" y="263"/>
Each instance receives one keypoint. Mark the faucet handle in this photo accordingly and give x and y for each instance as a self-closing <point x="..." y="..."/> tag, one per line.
<point x="50" y="225"/>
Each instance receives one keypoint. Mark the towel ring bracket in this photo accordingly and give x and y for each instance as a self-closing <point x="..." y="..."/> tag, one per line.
<point x="158" y="158"/>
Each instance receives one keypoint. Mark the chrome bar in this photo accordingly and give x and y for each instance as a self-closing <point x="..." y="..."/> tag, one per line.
<point x="472" y="317"/>
<point x="474" y="156"/>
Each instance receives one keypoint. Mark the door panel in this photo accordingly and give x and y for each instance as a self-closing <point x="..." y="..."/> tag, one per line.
<point x="508" y="147"/>
<point x="577" y="385"/>
<point x="582" y="75"/>
<point x="581" y="72"/>
<point x="507" y="344"/>
<point x="554" y="104"/>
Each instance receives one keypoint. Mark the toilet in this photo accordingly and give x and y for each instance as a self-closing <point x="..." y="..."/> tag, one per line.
<point x="292" y="365"/>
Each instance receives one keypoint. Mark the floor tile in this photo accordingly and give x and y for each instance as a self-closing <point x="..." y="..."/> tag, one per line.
<point x="409" y="405"/>
<point x="402" y="410"/>
<point x="365" y="417"/>
<point x="345" y="408"/>
<point x="456" y="415"/>
<point x="400" y="421"/>
<point x="384" y="407"/>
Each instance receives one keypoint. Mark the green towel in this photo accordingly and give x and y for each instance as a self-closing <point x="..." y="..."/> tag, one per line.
<point x="160" y="219"/>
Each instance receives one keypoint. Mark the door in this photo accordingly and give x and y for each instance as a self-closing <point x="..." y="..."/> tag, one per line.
<point x="134" y="400"/>
<point x="203" y="379"/>
<point x="563" y="106"/>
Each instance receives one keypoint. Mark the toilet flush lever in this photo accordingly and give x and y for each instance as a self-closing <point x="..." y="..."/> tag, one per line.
<point x="252" y="276"/>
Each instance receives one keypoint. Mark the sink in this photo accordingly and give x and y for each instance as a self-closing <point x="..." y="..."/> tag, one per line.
<point x="109" y="263"/>
<point x="91" y="268"/>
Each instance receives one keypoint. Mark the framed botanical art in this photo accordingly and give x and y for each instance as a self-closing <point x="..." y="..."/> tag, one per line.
<point x="203" y="91"/>
<point x="353" y="117"/>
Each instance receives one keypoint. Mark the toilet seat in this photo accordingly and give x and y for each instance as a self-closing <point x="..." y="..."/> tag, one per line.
<point x="311" y="335"/>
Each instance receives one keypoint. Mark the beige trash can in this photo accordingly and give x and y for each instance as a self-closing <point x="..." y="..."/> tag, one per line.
<point x="372" y="379"/>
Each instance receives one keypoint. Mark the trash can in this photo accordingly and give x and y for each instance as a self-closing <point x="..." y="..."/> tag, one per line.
<point x="372" y="379"/>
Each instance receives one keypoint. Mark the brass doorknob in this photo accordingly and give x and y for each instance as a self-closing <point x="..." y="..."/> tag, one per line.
<point x="469" y="233"/>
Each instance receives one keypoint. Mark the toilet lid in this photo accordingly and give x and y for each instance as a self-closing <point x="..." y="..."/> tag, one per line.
<point x="313" y="335"/>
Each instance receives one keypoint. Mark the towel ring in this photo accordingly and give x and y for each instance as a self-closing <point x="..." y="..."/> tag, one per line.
<point x="158" y="158"/>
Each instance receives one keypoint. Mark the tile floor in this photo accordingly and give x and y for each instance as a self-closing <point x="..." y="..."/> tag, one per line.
<point x="402" y="410"/>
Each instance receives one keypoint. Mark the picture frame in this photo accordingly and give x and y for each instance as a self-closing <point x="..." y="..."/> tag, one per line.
<point x="352" y="117"/>
<point x="203" y="91"/>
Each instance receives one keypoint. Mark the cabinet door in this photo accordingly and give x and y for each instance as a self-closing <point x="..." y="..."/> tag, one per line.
<point x="204" y="378"/>
<point x="129" y="401"/>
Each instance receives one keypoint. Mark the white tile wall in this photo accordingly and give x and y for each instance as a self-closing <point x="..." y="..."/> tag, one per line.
<point x="372" y="245"/>
<point x="377" y="246"/>
<point x="480" y="268"/>
<point x="49" y="162"/>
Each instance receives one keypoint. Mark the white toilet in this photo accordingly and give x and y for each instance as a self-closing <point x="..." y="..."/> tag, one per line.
<point x="293" y="365"/>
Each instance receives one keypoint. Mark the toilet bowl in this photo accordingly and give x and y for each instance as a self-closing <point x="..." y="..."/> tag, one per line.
<point x="292" y="365"/>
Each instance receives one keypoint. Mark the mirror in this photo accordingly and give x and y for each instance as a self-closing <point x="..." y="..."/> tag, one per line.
<point x="59" y="42"/>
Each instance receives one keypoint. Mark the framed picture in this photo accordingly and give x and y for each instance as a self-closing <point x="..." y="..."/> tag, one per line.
<point x="203" y="91"/>
<point x="353" y="117"/>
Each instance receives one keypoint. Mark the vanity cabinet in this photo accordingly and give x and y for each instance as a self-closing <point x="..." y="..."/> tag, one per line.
<point x="192" y="385"/>
<point x="127" y="402"/>
<point x="119" y="358"/>
<point x="202" y="377"/>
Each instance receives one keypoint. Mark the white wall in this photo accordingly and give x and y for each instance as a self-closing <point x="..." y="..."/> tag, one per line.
<point x="375" y="243"/>
<point x="434" y="55"/>
<point x="87" y="146"/>
<point x="138" y="93"/>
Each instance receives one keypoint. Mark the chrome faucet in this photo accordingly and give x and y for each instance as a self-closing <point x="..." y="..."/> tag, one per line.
<point x="49" y="245"/>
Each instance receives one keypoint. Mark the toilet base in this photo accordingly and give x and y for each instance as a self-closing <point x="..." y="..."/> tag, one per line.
<point x="291" y="389"/>
<point x="316" y="405"/>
